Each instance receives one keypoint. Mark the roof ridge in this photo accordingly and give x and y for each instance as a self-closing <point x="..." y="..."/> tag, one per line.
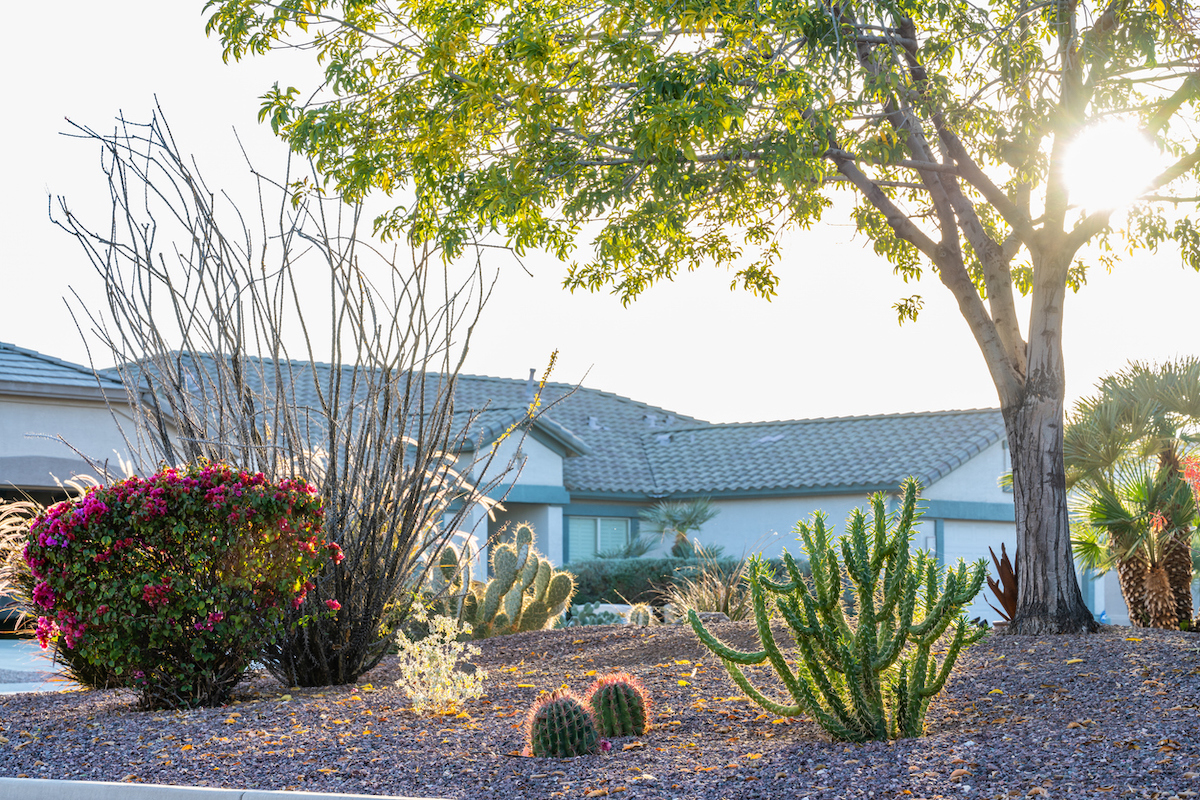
<point x="854" y="418"/>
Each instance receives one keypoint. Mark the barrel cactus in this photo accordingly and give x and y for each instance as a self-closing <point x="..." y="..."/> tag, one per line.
<point x="560" y="725"/>
<point x="871" y="674"/>
<point x="621" y="705"/>
<point x="641" y="614"/>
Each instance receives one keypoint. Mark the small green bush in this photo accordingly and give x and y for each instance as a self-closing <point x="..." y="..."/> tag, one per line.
<point x="175" y="582"/>
<point x="643" y="580"/>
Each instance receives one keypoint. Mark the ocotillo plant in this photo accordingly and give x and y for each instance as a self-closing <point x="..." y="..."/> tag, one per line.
<point x="869" y="675"/>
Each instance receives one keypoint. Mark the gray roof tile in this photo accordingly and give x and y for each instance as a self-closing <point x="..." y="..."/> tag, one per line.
<point x="21" y="365"/>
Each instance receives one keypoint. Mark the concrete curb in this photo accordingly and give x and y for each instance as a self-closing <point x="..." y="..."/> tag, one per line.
<point x="39" y="789"/>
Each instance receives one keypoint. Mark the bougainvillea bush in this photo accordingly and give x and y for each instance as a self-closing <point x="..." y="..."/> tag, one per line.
<point x="175" y="582"/>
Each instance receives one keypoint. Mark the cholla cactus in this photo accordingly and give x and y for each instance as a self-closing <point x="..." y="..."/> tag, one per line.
<point x="621" y="705"/>
<point x="641" y="614"/>
<point x="560" y="725"/>
<point x="870" y="677"/>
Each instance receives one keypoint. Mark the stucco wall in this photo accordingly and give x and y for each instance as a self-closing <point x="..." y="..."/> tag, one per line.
<point x="976" y="480"/>
<point x="765" y="524"/>
<point x="543" y="466"/>
<point x="87" y="426"/>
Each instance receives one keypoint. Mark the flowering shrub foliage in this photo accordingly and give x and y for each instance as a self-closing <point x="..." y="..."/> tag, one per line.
<point x="429" y="673"/>
<point x="178" y="580"/>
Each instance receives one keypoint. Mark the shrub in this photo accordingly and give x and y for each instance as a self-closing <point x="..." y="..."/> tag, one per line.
<point x="871" y="674"/>
<point x="588" y="614"/>
<point x="176" y="582"/>
<point x="629" y="580"/>
<point x="715" y="587"/>
<point x="429" y="672"/>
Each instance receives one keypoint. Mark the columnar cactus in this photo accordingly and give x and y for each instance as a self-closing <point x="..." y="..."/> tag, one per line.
<point x="641" y="614"/>
<point x="869" y="677"/>
<point x="560" y="725"/>
<point x="525" y="593"/>
<point x="621" y="705"/>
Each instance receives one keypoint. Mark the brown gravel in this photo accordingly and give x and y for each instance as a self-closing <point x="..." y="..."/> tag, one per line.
<point x="1114" y="714"/>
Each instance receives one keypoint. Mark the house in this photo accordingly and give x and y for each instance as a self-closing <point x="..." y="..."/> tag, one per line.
<point x="47" y="404"/>
<point x="593" y="460"/>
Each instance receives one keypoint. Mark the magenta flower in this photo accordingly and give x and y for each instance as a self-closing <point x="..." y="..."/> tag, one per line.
<point x="605" y="745"/>
<point x="333" y="605"/>
<point x="43" y="595"/>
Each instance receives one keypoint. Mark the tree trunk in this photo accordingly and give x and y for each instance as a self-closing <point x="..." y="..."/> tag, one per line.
<point x="1048" y="596"/>
<point x="1131" y="574"/>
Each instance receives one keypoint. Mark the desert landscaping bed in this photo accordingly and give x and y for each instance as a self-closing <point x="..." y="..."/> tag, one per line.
<point x="1111" y="715"/>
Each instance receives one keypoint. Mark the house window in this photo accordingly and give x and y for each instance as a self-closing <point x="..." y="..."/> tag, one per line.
<point x="587" y="536"/>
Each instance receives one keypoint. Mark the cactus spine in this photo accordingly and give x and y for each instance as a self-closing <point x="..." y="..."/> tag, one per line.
<point x="872" y="678"/>
<point x="560" y="725"/>
<point x="621" y="705"/>
<point x="642" y="614"/>
<point x="525" y="593"/>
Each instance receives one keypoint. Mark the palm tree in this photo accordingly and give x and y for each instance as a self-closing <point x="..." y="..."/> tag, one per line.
<point x="680" y="518"/>
<point x="1142" y="416"/>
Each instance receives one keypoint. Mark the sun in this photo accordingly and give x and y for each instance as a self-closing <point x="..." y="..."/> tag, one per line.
<point x="1109" y="165"/>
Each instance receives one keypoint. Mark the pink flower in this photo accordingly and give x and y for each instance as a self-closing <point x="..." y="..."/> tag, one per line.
<point x="43" y="595"/>
<point x="215" y="617"/>
<point x="605" y="745"/>
<point x="46" y="629"/>
<point x="333" y="605"/>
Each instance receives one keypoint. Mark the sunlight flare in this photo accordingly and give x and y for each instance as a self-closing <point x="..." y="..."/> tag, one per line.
<point x="1110" y="164"/>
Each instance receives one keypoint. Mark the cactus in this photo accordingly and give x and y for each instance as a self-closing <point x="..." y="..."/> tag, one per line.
<point x="641" y="614"/>
<point x="525" y="593"/>
<point x="872" y="678"/>
<point x="621" y="705"/>
<point x="560" y="725"/>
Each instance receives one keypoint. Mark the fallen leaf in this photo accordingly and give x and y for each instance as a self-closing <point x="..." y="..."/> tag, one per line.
<point x="781" y="721"/>
<point x="996" y="691"/>
<point x="1036" y="790"/>
<point x="683" y="661"/>
<point x="633" y="745"/>
<point x="1074" y="661"/>
<point x="595" y="792"/>
<point x="959" y="774"/>
<point x="753" y="756"/>
<point x="682" y="683"/>
<point x="186" y="747"/>
<point x="526" y="686"/>
<point x="327" y="770"/>
<point x="1132" y="639"/>
<point x="1074" y="725"/>
<point x="589" y="673"/>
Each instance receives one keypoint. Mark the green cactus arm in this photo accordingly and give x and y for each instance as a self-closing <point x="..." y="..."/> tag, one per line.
<point x="758" y="569"/>
<point x="948" y="662"/>
<point x="743" y="683"/>
<point x="762" y="621"/>
<point x="504" y="575"/>
<point x="722" y="650"/>
<point x="814" y="674"/>
<point x="541" y="582"/>
<point x="559" y="592"/>
<point x="891" y="649"/>
<point x="867" y="708"/>
<point x="827" y="632"/>
<point x="534" y="616"/>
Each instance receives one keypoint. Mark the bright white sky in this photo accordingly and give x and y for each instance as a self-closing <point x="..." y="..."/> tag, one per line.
<point x="829" y="345"/>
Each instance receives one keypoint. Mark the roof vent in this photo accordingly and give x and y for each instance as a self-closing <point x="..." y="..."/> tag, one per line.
<point x="594" y="423"/>
<point x="530" y="392"/>
<point x="651" y="420"/>
<point x="663" y="438"/>
<point x="772" y="438"/>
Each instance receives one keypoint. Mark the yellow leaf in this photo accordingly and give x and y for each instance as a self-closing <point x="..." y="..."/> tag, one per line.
<point x="633" y="745"/>
<point x="996" y="691"/>
<point x="682" y="683"/>
<point x="753" y="756"/>
<point x="590" y="673"/>
<point x="283" y="698"/>
<point x="526" y="686"/>
<point x="780" y="721"/>
<point x="186" y="747"/>
<point x="326" y="770"/>
<point x="683" y="661"/>
<point x="1074" y="660"/>
<point x="1132" y="639"/>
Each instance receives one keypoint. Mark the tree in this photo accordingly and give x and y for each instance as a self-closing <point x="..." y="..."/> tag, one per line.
<point x="211" y="322"/>
<point x="700" y="132"/>
<point x="680" y="518"/>
<point x="1124" y="450"/>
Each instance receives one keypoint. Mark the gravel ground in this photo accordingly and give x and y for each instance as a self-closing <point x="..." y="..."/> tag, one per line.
<point x="1113" y="714"/>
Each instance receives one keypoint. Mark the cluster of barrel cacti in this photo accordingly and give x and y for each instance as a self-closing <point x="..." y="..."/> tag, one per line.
<point x="871" y="677"/>
<point x="525" y="593"/>
<point x="564" y="725"/>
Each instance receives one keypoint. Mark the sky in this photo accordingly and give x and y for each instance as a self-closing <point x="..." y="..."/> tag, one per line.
<point x="828" y="345"/>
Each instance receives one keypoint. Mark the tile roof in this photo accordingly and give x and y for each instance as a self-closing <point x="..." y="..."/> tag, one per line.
<point x="621" y="447"/>
<point x="819" y="454"/>
<point x="24" y="366"/>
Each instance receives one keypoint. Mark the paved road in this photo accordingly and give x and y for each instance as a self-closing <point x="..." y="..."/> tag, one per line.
<point x="24" y="656"/>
